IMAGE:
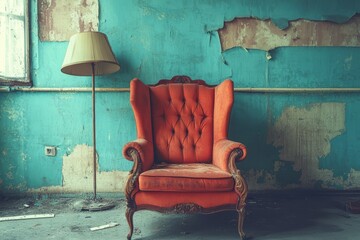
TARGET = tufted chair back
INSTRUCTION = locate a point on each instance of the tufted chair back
(182, 118)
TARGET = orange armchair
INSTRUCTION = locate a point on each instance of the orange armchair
(183, 161)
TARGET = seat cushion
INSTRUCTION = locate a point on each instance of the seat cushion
(193, 177)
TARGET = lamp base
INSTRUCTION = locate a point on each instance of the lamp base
(93, 205)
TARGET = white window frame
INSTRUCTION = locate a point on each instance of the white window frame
(21, 77)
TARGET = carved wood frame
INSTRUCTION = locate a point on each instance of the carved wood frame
(132, 187)
(183, 79)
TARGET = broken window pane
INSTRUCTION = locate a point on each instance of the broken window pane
(14, 42)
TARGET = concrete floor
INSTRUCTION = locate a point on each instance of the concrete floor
(283, 217)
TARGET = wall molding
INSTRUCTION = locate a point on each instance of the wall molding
(238, 90)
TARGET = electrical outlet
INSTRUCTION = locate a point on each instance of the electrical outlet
(50, 151)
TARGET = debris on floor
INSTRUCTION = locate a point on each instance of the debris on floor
(93, 205)
(24, 217)
(267, 217)
(110, 225)
(137, 231)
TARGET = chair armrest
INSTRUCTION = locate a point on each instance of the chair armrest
(140, 150)
(141, 153)
(225, 155)
(226, 152)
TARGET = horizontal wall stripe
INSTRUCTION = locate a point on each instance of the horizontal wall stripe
(242, 90)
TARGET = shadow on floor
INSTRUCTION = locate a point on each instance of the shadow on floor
(265, 217)
(285, 218)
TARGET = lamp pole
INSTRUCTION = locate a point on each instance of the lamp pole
(94, 127)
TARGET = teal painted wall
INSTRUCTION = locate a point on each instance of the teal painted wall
(156, 39)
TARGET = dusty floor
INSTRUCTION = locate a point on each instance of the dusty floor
(289, 217)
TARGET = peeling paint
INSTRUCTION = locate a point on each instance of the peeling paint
(353, 180)
(59, 20)
(77, 174)
(252, 33)
(303, 136)
(180, 38)
(260, 179)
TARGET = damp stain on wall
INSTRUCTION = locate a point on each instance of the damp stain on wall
(304, 135)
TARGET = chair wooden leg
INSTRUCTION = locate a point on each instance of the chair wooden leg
(241, 212)
(129, 217)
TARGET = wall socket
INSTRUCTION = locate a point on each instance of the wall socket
(50, 151)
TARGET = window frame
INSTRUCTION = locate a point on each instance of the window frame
(26, 81)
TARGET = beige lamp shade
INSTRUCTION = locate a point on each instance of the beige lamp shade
(89, 48)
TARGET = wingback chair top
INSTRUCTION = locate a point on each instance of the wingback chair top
(183, 161)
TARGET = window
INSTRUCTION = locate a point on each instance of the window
(14, 42)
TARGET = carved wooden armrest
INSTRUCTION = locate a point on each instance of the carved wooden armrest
(140, 152)
(144, 149)
(240, 183)
(226, 149)
(226, 154)
(131, 184)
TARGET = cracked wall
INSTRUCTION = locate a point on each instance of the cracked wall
(155, 40)
(252, 33)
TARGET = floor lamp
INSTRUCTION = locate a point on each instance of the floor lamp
(90, 54)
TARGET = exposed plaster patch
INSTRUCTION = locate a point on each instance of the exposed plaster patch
(353, 180)
(58, 19)
(303, 136)
(252, 33)
(267, 182)
(77, 174)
